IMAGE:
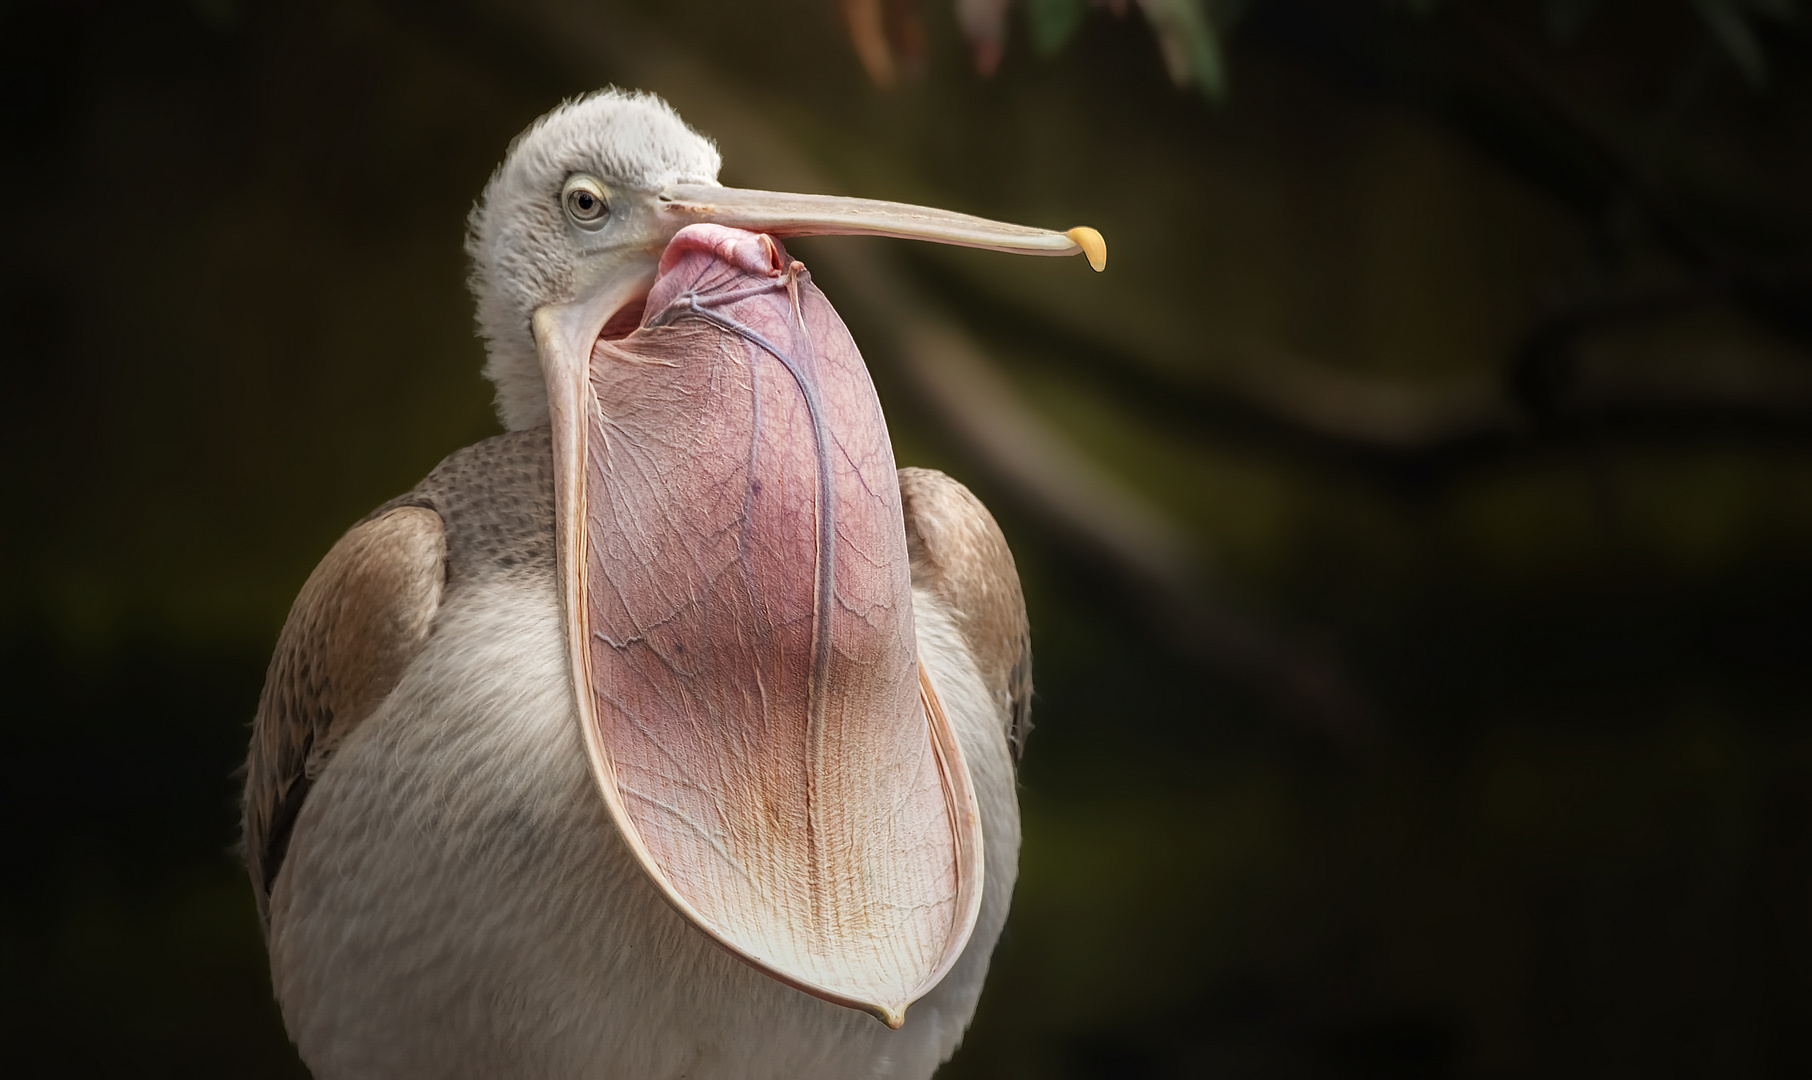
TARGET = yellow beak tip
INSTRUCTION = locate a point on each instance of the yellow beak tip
(1092, 245)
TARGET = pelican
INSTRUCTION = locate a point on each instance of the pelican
(673, 732)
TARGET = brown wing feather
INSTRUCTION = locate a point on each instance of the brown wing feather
(358, 621)
(959, 554)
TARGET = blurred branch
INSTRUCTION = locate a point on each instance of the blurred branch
(1449, 421)
(1616, 169)
(1396, 414)
(1782, 292)
(979, 406)
(1544, 372)
(1729, 24)
(1444, 423)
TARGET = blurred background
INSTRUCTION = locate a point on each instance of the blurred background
(1416, 517)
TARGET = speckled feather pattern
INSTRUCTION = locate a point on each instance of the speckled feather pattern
(958, 553)
(355, 627)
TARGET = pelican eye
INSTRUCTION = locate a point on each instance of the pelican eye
(585, 201)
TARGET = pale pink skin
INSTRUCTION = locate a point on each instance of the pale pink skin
(753, 669)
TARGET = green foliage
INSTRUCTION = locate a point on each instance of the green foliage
(1190, 43)
(1188, 33)
(1054, 23)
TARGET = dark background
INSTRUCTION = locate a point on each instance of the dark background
(1416, 517)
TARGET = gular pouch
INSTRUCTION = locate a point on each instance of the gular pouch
(740, 611)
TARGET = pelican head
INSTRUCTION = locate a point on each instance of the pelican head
(572, 204)
(590, 195)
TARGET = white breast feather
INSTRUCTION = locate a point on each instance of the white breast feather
(456, 869)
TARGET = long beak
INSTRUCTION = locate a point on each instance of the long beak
(624, 275)
(783, 214)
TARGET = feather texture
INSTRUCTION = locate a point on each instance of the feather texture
(638, 140)
(357, 623)
(959, 554)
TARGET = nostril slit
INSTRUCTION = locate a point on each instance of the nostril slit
(775, 269)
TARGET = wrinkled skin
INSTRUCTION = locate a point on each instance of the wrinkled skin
(756, 686)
